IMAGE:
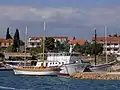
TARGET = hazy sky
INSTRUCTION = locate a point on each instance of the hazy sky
(64, 17)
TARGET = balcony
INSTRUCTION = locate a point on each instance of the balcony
(116, 46)
(34, 41)
(108, 46)
(112, 46)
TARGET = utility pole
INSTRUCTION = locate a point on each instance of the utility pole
(95, 47)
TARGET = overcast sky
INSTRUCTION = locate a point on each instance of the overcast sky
(64, 17)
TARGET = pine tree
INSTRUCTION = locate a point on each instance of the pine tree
(8, 36)
(16, 42)
(74, 38)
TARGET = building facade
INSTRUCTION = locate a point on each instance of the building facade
(5, 43)
(111, 44)
(36, 41)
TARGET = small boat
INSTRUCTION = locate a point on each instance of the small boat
(32, 70)
(41, 70)
(101, 67)
(4, 67)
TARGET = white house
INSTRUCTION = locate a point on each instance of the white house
(36, 41)
(112, 46)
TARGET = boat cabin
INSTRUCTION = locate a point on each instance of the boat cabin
(64, 57)
(48, 64)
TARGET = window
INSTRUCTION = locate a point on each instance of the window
(5, 44)
(32, 44)
(38, 44)
(115, 49)
(115, 44)
(108, 49)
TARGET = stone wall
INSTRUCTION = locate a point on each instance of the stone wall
(97, 76)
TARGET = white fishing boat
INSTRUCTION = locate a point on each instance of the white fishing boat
(42, 69)
(70, 62)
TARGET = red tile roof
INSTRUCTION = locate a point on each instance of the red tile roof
(109, 39)
(35, 38)
(81, 42)
(2, 40)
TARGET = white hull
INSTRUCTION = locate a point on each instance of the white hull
(73, 68)
(6, 68)
(41, 73)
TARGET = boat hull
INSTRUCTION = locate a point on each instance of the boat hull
(6, 68)
(99, 68)
(73, 68)
(40, 73)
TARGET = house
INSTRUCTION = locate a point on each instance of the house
(36, 41)
(5, 43)
(112, 46)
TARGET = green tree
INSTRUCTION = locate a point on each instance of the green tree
(98, 49)
(66, 46)
(35, 51)
(22, 43)
(77, 48)
(2, 56)
(9, 49)
(16, 41)
(61, 47)
(88, 48)
(49, 44)
(8, 36)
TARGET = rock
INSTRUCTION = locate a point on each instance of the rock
(96, 75)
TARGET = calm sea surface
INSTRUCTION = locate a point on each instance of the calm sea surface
(8, 81)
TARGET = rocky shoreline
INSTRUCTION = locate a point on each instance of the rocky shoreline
(97, 75)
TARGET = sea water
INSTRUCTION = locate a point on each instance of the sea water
(9, 81)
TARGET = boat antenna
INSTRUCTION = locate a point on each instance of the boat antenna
(95, 46)
(106, 43)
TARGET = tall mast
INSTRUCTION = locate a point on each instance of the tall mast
(44, 42)
(106, 44)
(25, 44)
(95, 46)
